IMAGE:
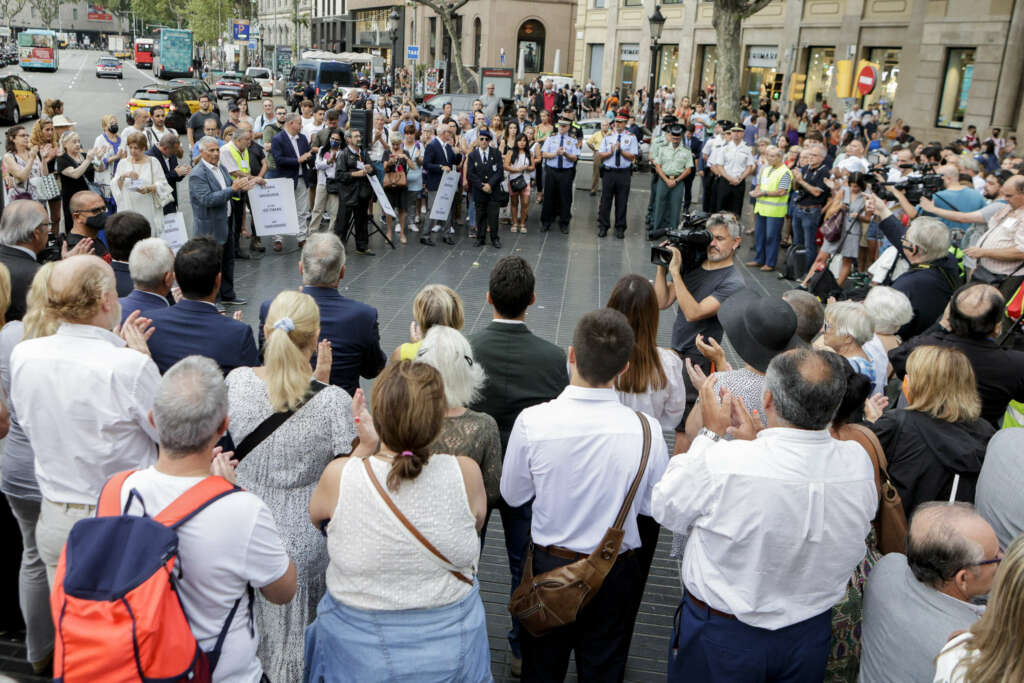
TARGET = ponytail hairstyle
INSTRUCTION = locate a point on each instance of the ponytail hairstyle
(38, 319)
(408, 406)
(291, 331)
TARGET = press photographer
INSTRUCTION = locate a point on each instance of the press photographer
(702, 277)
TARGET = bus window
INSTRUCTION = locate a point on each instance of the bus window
(332, 75)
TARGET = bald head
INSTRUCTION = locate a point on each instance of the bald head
(945, 544)
(976, 311)
(82, 289)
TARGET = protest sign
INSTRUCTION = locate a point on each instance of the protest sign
(273, 208)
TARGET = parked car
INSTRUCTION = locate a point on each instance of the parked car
(199, 84)
(180, 101)
(233, 84)
(591, 126)
(432, 108)
(262, 76)
(18, 99)
(109, 67)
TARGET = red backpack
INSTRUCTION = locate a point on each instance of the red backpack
(115, 604)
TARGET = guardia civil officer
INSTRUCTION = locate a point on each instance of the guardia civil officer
(616, 157)
(559, 153)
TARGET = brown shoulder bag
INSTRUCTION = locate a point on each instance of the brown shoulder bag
(552, 599)
(891, 520)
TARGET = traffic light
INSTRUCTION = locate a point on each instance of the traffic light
(796, 86)
(844, 78)
(776, 92)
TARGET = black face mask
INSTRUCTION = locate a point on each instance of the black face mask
(113, 128)
(97, 222)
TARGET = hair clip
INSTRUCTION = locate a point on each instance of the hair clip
(285, 324)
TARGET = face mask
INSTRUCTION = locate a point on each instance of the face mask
(97, 222)
(335, 143)
(113, 128)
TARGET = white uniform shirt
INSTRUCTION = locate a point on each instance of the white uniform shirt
(776, 525)
(627, 142)
(551, 145)
(733, 158)
(578, 454)
(82, 398)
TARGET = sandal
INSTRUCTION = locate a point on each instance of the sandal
(401, 238)
(522, 228)
(514, 228)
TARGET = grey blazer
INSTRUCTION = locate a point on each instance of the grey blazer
(209, 202)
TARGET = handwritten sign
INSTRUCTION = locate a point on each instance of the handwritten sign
(273, 208)
(174, 231)
(446, 191)
(378, 190)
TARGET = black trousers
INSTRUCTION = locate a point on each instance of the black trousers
(486, 217)
(354, 213)
(687, 193)
(599, 636)
(730, 197)
(708, 183)
(557, 196)
(227, 266)
(615, 187)
(237, 220)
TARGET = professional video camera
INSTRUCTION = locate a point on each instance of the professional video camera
(927, 183)
(691, 238)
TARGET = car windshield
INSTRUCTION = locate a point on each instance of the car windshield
(110, 62)
(332, 75)
(257, 73)
(151, 95)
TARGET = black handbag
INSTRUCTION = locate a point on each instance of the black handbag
(269, 425)
(517, 184)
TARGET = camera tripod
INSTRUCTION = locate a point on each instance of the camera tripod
(372, 228)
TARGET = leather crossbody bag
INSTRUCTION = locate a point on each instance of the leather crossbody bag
(544, 602)
(891, 520)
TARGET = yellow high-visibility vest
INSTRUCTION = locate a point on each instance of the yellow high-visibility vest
(772, 207)
(242, 159)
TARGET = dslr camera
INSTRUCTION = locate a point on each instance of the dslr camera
(913, 187)
(691, 237)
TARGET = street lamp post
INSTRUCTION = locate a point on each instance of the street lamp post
(657, 22)
(393, 23)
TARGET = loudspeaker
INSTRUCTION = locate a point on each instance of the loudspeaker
(362, 120)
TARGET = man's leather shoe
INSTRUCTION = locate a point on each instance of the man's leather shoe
(449, 240)
(564, 229)
(366, 252)
(620, 235)
(602, 233)
(237, 301)
(496, 242)
(545, 228)
(480, 241)
(242, 255)
(427, 241)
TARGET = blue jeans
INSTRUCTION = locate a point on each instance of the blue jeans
(767, 232)
(805, 231)
(516, 523)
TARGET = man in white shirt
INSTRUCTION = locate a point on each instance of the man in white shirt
(264, 118)
(229, 545)
(82, 397)
(158, 129)
(775, 527)
(731, 163)
(851, 162)
(576, 457)
(139, 120)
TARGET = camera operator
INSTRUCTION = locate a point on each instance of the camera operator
(955, 196)
(699, 294)
(992, 192)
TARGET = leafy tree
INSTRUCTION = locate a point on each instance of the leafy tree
(726, 18)
(446, 10)
(48, 10)
(9, 8)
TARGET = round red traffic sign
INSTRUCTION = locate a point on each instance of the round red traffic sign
(866, 79)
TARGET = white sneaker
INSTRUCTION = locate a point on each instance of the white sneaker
(436, 228)
(412, 227)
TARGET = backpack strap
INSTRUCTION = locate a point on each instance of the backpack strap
(109, 503)
(189, 504)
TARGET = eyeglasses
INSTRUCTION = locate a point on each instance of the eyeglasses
(996, 560)
(91, 212)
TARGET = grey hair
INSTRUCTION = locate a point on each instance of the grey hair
(931, 235)
(67, 137)
(190, 405)
(140, 113)
(20, 219)
(850, 319)
(969, 164)
(936, 553)
(208, 140)
(449, 352)
(890, 309)
(806, 402)
(727, 219)
(150, 260)
(168, 139)
(292, 117)
(810, 315)
(323, 257)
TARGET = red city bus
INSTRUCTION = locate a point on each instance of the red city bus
(143, 53)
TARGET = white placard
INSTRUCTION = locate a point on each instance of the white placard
(445, 196)
(273, 208)
(378, 190)
(174, 231)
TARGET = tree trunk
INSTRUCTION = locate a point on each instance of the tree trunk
(727, 79)
(461, 73)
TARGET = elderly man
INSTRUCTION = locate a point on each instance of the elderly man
(140, 118)
(772, 195)
(152, 269)
(775, 526)
(167, 151)
(493, 105)
(1000, 252)
(616, 155)
(88, 216)
(594, 143)
(672, 163)
(58, 381)
(350, 326)
(913, 603)
(809, 198)
(236, 159)
(265, 117)
(292, 155)
(24, 231)
(211, 190)
(731, 163)
(956, 196)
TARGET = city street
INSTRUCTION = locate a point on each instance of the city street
(575, 274)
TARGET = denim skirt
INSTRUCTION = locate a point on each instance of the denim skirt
(439, 644)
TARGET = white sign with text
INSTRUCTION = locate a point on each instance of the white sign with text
(174, 231)
(273, 208)
(445, 196)
(385, 204)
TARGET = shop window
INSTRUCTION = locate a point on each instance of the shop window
(888, 61)
(668, 65)
(821, 67)
(598, 4)
(596, 62)
(531, 46)
(956, 86)
(708, 68)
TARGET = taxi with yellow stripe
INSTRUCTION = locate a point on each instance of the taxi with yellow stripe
(180, 102)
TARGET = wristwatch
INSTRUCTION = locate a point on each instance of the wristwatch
(704, 431)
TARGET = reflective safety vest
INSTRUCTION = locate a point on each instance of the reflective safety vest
(772, 207)
(242, 159)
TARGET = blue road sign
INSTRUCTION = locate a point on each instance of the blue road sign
(412, 52)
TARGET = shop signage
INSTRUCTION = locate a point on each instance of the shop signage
(762, 56)
(866, 79)
(629, 53)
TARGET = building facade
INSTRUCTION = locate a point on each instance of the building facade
(284, 23)
(943, 64)
(83, 22)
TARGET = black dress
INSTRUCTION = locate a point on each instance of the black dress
(69, 186)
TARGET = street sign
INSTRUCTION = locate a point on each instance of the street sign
(866, 79)
(412, 52)
(252, 43)
(240, 29)
(501, 56)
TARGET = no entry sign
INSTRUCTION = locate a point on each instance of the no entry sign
(866, 79)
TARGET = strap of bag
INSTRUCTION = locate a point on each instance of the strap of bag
(626, 504)
(269, 425)
(109, 503)
(875, 452)
(408, 525)
(195, 500)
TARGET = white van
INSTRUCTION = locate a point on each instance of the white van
(263, 77)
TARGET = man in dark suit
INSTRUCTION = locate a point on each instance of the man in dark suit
(354, 193)
(124, 230)
(439, 157)
(24, 231)
(152, 270)
(194, 326)
(292, 155)
(484, 172)
(522, 370)
(166, 152)
(349, 325)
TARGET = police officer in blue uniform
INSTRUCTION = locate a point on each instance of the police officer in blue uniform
(559, 152)
(618, 149)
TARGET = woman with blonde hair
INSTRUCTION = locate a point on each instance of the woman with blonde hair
(18, 481)
(76, 171)
(990, 651)
(936, 444)
(395, 610)
(434, 305)
(140, 185)
(283, 460)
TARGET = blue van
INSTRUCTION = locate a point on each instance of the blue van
(324, 74)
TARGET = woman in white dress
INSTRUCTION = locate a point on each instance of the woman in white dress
(139, 184)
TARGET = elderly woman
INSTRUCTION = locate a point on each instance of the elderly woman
(76, 171)
(890, 309)
(109, 151)
(139, 184)
(434, 305)
(848, 327)
(464, 431)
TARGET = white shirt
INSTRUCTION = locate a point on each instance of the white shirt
(261, 122)
(310, 129)
(733, 158)
(665, 405)
(153, 135)
(852, 164)
(295, 144)
(128, 131)
(229, 544)
(578, 454)
(776, 525)
(215, 170)
(947, 664)
(82, 398)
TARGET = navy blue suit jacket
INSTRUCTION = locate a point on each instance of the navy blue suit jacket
(352, 329)
(287, 164)
(196, 328)
(123, 277)
(478, 173)
(434, 159)
(144, 302)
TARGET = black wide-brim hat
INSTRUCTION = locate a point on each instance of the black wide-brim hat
(759, 327)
